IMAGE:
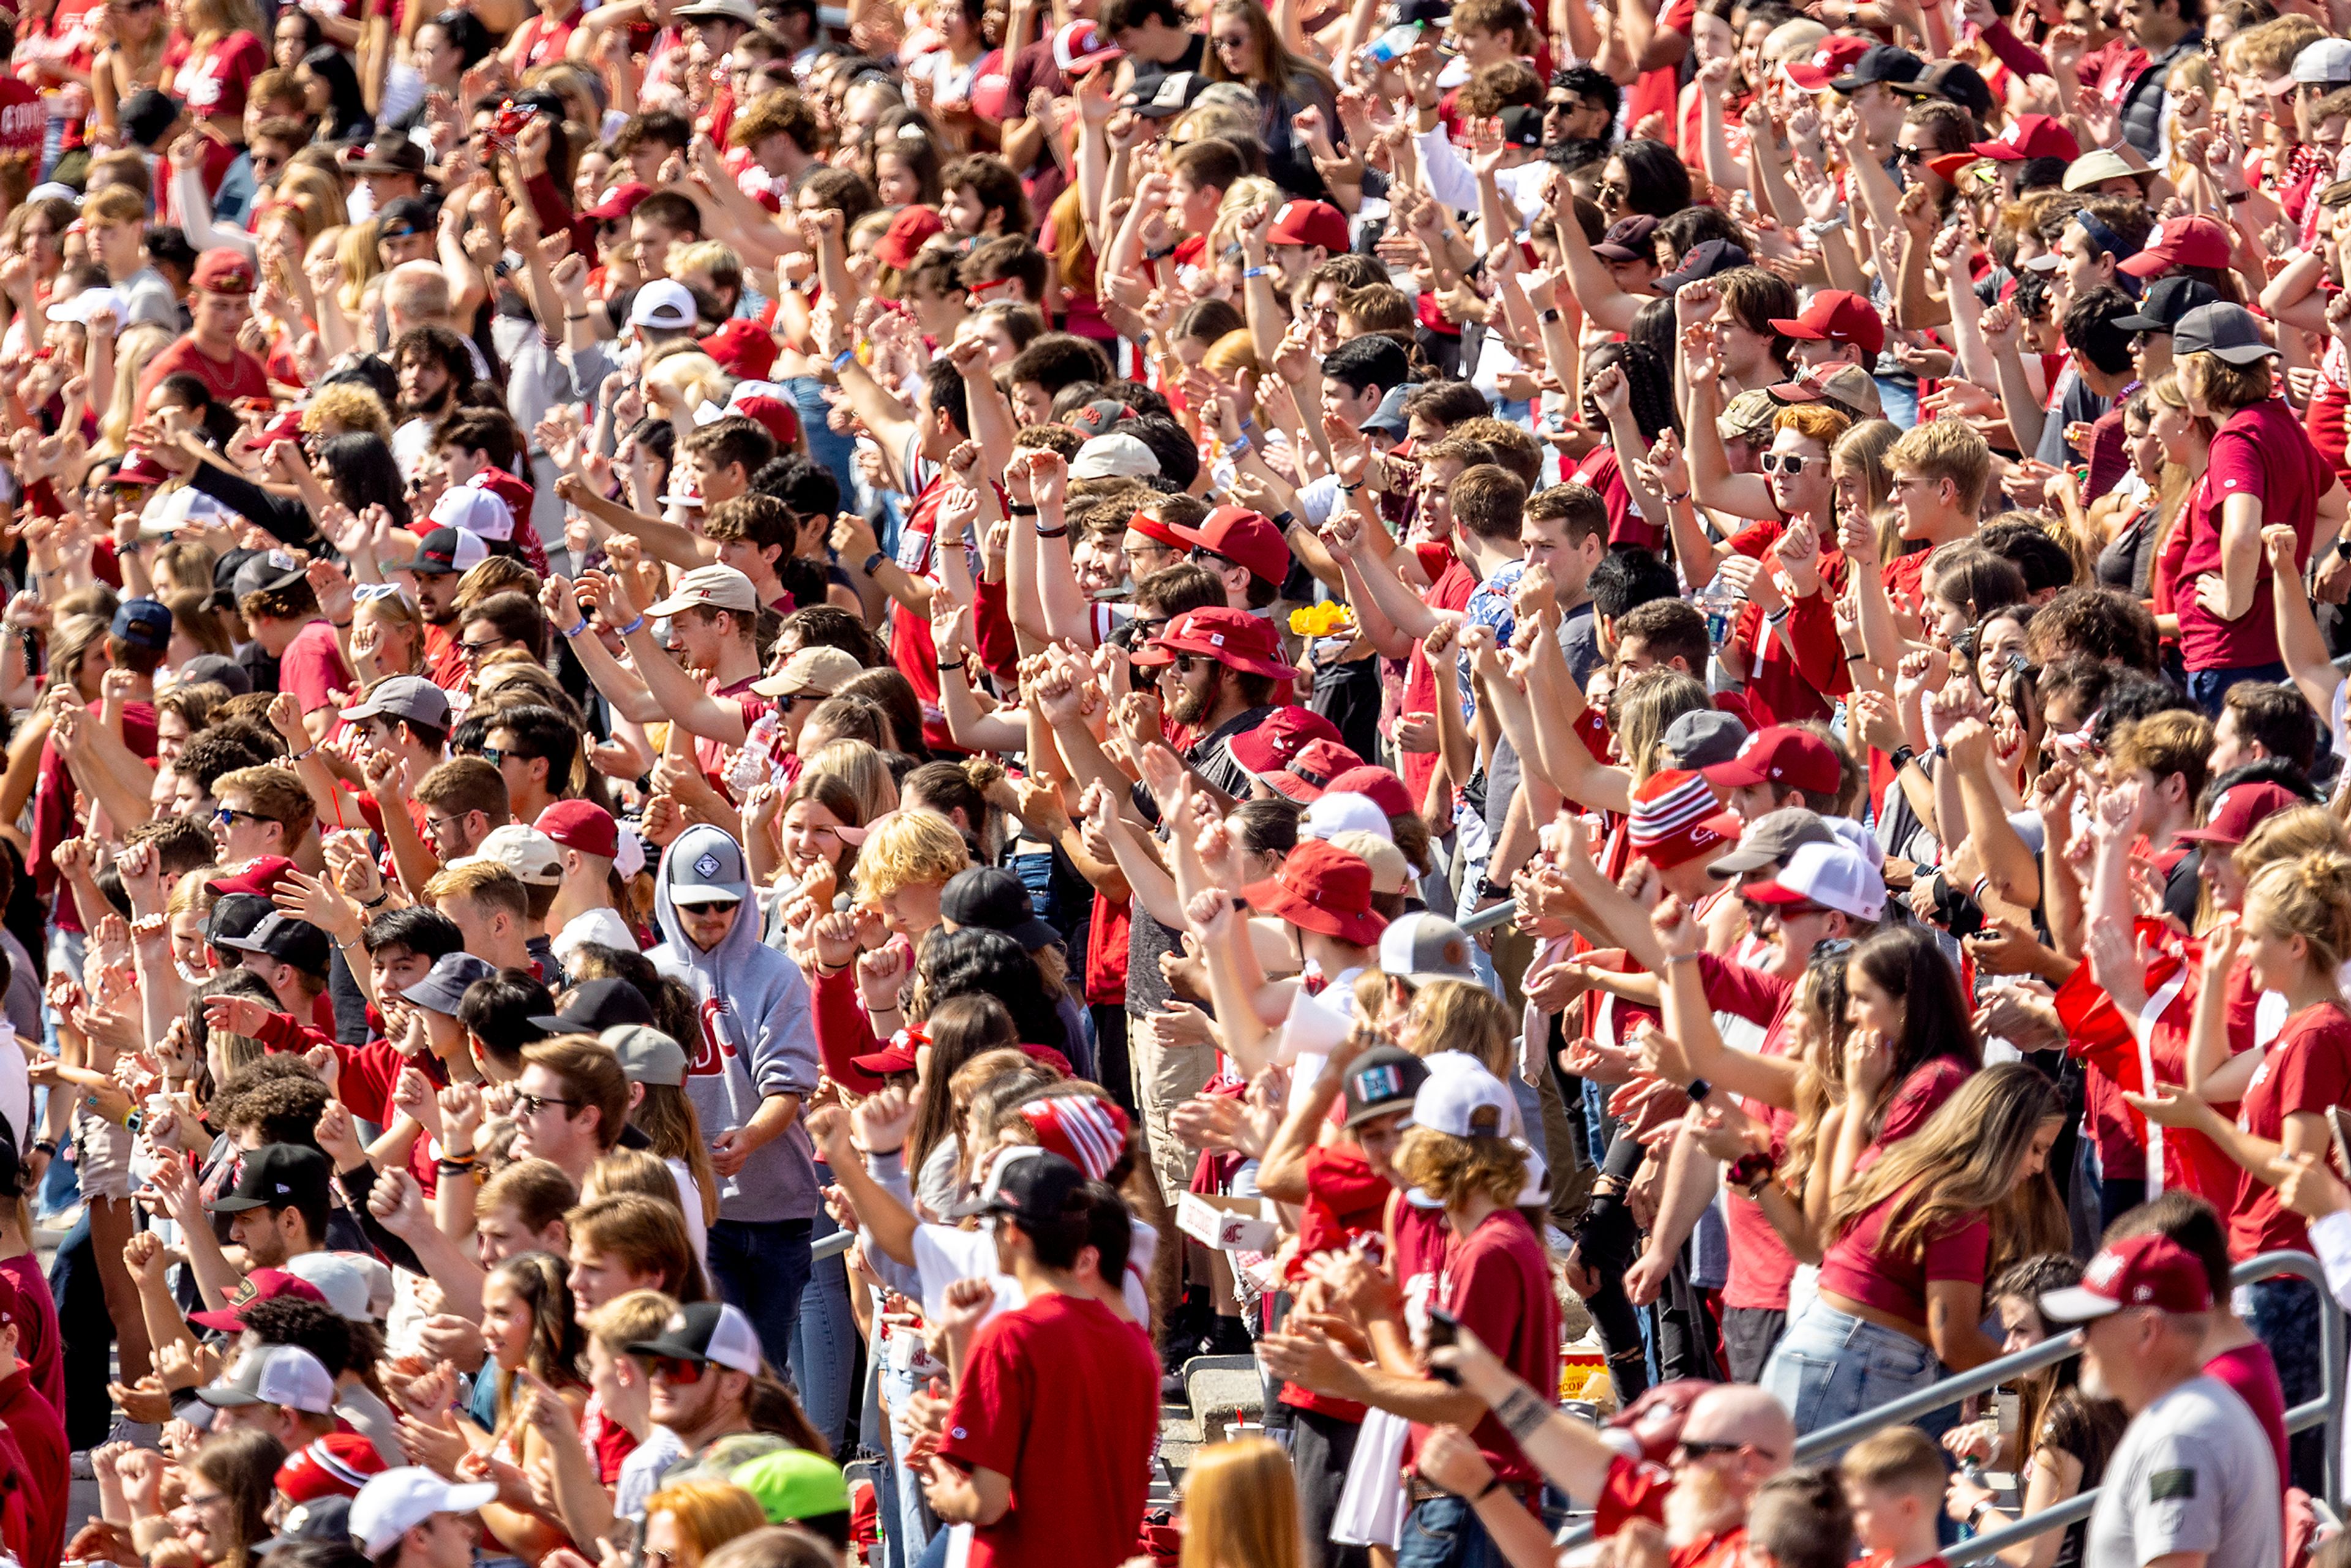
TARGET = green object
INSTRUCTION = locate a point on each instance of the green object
(793, 1484)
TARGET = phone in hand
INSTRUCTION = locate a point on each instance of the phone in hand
(1444, 1329)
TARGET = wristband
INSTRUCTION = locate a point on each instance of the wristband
(2343, 549)
(1677, 500)
(1159, 254)
(1672, 959)
(377, 902)
(1060, 533)
(958, 665)
(1285, 520)
(304, 752)
(634, 627)
(840, 360)
(45, 1146)
(1237, 445)
(575, 631)
(1249, 272)
(1015, 509)
(1488, 1489)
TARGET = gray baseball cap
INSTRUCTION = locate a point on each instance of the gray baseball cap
(2229, 332)
(647, 1055)
(1704, 737)
(1422, 946)
(409, 698)
(713, 873)
(1769, 840)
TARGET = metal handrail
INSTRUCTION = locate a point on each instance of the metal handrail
(2327, 1410)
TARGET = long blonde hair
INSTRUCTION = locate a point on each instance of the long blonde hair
(1647, 707)
(1963, 1163)
(1240, 1506)
(132, 349)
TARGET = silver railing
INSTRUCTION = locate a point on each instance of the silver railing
(2326, 1411)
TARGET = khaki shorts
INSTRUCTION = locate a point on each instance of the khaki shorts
(103, 1162)
(1164, 1078)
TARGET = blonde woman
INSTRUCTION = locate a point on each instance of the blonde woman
(345, 408)
(679, 383)
(1240, 1498)
(862, 768)
(132, 349)
(387, 633)
(908, 858)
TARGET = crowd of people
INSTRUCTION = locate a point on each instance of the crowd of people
(756, 755)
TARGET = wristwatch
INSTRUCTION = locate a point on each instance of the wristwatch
(1902, 757)
(1489, 889)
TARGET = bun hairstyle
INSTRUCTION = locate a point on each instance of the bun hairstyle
(2310, 897)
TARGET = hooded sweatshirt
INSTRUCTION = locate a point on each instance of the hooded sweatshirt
(758, 1038)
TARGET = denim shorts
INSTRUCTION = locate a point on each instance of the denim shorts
(1830, 1366)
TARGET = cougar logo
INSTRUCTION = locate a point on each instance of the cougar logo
(716, 1044)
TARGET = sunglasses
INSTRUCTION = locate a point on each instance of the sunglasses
(532, 1104)
(1186, 662)
(227, 815)
(494, 755)
(363, 591)
(1910, 157)
(674, 1369)
(1704, 1450)
(475, 650)
(1611, 191)
(1789, 463)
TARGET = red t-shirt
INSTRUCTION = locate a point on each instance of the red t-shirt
(1858, 1269)
(2261, 451)
(1601, 472)
(2253, 1374)
(1344, 1201)
(2308, 1069)
(39, 1344)
(1902, 574)
(1921, 1095)
(40, 1435)
(240, 375)
(1451, 584)
(312, 667)
(1062, 1397)
(1497, 1281)
(543, 39)
(1760, 1264)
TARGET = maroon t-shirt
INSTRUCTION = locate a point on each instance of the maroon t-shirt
(1861, 1267)
(2250, 1370)
(2263, 452)
(1496, 1282)
(2308, 1069)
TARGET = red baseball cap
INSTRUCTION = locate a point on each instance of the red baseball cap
(1781, 754)
(618, 202)
(1245, 538)
(139, 468)
(2146, 1270)
(336, 1465)
(898, 1056)
(2240, 808)
(581, 825)
(779, 419)
(261, 1285)
(1322, 887)
(1079, 47)
(1285, 733)
(743, 349)
(2030, 136)
(909, 231)
(1834, 314)
(1234, 638)
(2196, 241)
(1378, 785)
(1309, 223)
(1832, 58)
(222, 271)
(1310, 773)
(260, 876)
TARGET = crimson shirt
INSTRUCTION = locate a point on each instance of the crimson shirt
(1858, 1268)
(240, 376)
(2308, 1069)
(2261, 451)
(1496, 1282)
(40, 1434)
(39, 1344)
(1062, 1396)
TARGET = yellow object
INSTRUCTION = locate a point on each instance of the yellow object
(1324, 619)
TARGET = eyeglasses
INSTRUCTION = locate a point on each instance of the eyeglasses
(674, 1369)
(1789, 463)
(532, 1104)
(227, 815)
(440, 825)
(206, 1500)
(475, 650)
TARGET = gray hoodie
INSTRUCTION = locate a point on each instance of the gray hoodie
(758, 1038)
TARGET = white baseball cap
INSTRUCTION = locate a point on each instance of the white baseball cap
(530, 855)
(663, 305)
(397, 1502)
(1463, 1099)
(1344, 811)
(1117, 455)
(1834, 876)
(337, 1277)
(470, 510)
(281, 1374)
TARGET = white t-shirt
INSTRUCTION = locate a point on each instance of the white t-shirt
(944, 1254)
(689, 1204)
(640, 1472)
(2194, 1472)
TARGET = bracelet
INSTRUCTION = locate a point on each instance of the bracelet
(304, 752)
(1016, 509)
(1677, 500)
(1522, 1414)
(1249, 272)
(1780, 617)
(1861, 658)
(1547, 316)
(1060, 533)
(45, 1146)
(1673, 958)
(840, 360)
(1285, 520)
(1347, 489)
(377, 902)
(581, 317)
(634, 627)
(1492, 1486)
(575, 631)
(823, 973)
(1237, 446)
(947, 544)
(943, 666)
(1159, 254)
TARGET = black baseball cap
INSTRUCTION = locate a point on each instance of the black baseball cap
(2167, 299)
(1040, 1189)
(1956, 81)
(289, 941)
(597, 1006)
(1880, 62)
(995, 900)
(441, 554)
(1704, 259)
(235, 915)
(1382, 1080)
(144, 623)
(277, 1175)
(1522, 125)
(216, 669)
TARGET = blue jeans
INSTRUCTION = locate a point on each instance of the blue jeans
(2283, 1315)
(1443, 1532)
(912, 1526)
(2207, 687)
(828, 448)
(824, 1341)
(762, 1266)
(1831, 1365)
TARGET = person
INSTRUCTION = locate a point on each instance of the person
(1894, 1487)
(1057, 1386)
(1241, 1506)
(752, 1065)
(411, 1518)
(2193, 1476)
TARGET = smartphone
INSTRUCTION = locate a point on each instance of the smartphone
(1444, 1329)
(2338, 1122)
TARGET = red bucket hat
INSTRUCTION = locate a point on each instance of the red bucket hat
(1376, 784)
(1322, 887)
